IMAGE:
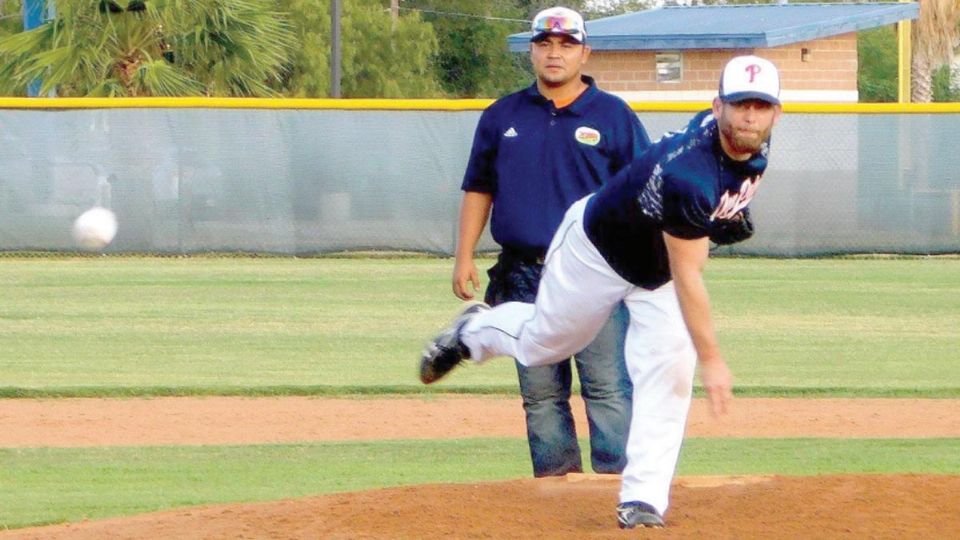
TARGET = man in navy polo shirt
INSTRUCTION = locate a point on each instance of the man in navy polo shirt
(643, 238)
(534, 153)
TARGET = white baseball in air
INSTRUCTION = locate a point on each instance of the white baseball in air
(95, 228)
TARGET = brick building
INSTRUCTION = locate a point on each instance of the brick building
(676, 53)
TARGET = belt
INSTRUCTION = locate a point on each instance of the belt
(525, 255)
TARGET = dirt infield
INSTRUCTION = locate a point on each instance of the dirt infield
(579, 506)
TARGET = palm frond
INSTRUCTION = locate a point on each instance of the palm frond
(172, 46)
(160, 78)
(24, 43)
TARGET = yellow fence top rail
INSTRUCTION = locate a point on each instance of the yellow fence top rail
(243, 103)
(428, 105)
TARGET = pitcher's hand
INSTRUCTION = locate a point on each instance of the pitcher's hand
(717, 383)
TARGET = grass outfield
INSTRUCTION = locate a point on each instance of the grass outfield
(74, 326)
(124, 326)
(53, 485)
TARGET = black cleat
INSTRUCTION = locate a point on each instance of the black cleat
(444, 352)
(638, 514)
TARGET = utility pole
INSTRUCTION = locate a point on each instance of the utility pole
(335, 50)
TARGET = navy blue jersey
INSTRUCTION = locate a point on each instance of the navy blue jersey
(684, 185)
(537, 160)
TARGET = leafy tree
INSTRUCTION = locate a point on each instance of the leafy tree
(383, 60)
(954, 79)
(608, 8)
(307, 73)
(380, 58)
(533, 6)
(150, 48)
(877, 71)
(472, 59)
(942, 89)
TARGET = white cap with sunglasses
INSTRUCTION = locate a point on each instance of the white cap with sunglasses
(559, 21)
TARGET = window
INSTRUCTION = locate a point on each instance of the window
(669, 67)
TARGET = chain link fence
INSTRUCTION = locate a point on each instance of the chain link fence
(293, 181)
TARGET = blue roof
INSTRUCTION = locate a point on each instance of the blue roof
(733, 27)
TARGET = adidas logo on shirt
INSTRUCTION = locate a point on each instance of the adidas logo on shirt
(510, 133)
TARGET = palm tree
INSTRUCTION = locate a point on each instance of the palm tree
(933, 36)
(150, 48)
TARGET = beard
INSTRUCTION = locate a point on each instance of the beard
(744, 143)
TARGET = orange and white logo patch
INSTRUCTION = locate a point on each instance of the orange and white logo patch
(587, 136)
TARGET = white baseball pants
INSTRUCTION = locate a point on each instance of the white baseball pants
(577, 293)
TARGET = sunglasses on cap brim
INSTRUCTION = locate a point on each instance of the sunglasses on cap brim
(557, 24)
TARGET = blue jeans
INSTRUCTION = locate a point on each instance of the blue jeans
(604, 385)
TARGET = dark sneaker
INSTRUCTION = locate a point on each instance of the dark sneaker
(638, 514)
(445, 351)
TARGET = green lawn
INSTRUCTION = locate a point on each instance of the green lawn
(51, 485)
(115, 326)
(130, 325)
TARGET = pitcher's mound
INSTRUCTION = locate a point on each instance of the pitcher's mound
(834, 506)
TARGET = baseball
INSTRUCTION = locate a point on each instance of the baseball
(95, 228)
